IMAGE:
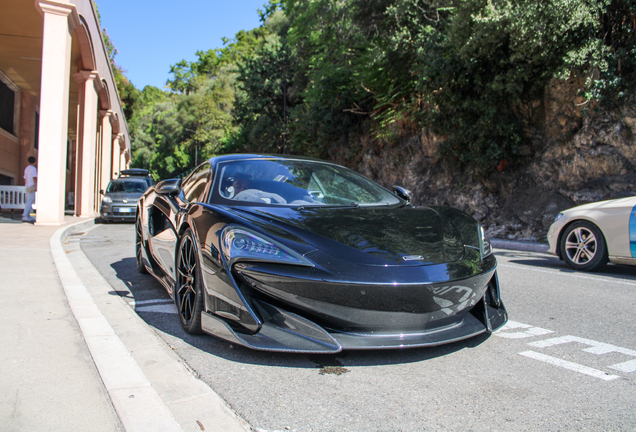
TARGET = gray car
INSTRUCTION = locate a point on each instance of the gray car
(119, 202)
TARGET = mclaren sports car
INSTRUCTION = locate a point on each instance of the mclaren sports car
(295, 254)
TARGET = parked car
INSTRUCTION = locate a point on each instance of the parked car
(588, 236)
(119, 201)
(299, 255)
(137, 173)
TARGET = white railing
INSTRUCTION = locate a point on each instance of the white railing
(14, 197)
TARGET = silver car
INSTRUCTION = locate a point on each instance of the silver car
(589, 236)
(119, 202)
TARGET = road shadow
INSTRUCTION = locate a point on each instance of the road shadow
(141, 287)
(532, 259)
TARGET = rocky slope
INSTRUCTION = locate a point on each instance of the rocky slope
(573, 158)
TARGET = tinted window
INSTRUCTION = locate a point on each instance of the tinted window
(194, 186)
(297, 182)
(126, 186)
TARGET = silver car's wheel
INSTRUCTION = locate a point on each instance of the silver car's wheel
(583, 246)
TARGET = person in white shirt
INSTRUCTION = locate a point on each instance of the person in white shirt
(30, 181)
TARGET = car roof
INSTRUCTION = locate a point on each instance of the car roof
(215, 160)
(136, 172)
(251, 156)
(129, 179)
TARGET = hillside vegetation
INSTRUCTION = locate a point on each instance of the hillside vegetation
(445, 95)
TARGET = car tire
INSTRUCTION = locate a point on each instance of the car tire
(188, 292)
(141, 268)
(583, 246)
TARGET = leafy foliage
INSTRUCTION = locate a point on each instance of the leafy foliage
(618, 34)
(319, 74)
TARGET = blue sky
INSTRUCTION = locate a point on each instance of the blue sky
(153, 35)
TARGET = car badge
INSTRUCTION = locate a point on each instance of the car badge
(125, 201)
(412, 257)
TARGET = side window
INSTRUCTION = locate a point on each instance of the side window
(335, 185)
(195, 185)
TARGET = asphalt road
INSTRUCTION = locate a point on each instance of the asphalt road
(566, 362)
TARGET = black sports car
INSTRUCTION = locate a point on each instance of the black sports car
(300, 255)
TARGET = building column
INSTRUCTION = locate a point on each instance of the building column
(59, 20)
(107, 150)
(86, 138)
(122, 161)
(116, 152)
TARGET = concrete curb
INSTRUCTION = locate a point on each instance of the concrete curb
(149, 385)
(119, 371)
(519, 245)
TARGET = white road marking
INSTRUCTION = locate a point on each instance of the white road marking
(594, 347)
(569, 274)
(628, 366)
(569, 365)
(141, 302)
(513, 325)
(167, 309)
(530, 332)
(598, 348)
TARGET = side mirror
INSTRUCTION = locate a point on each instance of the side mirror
(403, 193)
(101, 191)
(170, 187)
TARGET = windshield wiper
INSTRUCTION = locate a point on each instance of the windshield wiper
(327, 206)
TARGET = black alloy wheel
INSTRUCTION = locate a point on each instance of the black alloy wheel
(583, 246)
(188, 294)
(141, 268)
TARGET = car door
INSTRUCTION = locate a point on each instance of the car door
(165, 215)
(617, 220)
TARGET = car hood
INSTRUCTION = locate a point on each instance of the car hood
(608, 204)
(374, 236)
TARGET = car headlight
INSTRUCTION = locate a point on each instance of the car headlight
(245, 245)
(559, 216)
(484, 244)
(107, 199)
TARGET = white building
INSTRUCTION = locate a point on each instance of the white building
(59, 103)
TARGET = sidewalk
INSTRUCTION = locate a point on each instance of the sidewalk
(520, 245)
(48, 381)
(76, 357)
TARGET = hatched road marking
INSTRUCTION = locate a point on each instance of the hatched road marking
(594, 347)
(569, 365)
(598, 348)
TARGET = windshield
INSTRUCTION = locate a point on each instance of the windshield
(297, 183)
(130, 186)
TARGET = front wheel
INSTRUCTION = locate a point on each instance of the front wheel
(583, 246)
(188, 285)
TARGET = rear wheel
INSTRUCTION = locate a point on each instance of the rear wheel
(583, 246)
(188, 293)
(141, 268)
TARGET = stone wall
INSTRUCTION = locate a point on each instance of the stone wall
(573, 157)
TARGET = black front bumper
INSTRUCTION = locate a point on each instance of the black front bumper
(321, 317)
(284, 331)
